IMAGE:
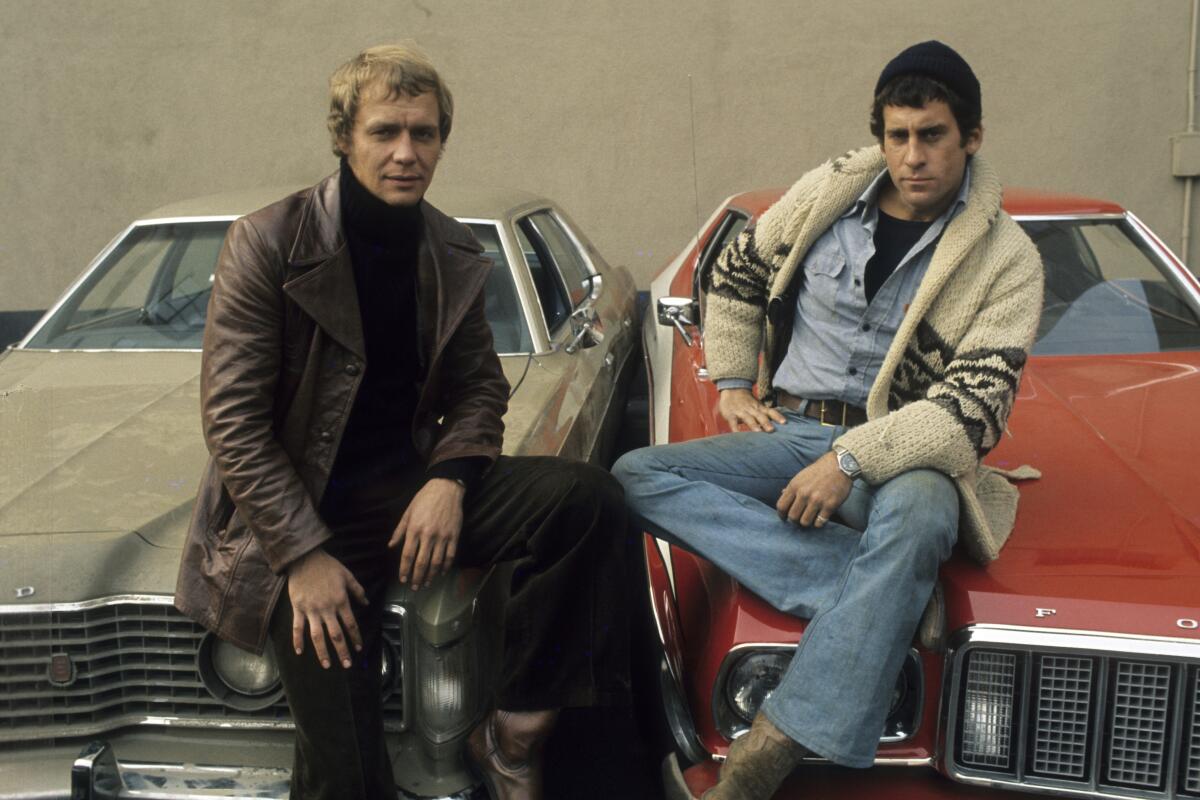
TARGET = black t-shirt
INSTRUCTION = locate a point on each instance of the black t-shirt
(893, 239)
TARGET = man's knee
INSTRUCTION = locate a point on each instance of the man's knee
(581, 484)
(927, 502)
(630, 467)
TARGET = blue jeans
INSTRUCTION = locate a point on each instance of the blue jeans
(863, 579)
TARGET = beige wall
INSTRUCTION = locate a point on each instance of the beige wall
(108, 109)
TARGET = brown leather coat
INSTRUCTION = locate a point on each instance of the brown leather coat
(283, 358)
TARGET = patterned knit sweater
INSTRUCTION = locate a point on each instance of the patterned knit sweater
(948, 381)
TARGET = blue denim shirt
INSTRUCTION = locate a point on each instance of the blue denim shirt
(838, 339)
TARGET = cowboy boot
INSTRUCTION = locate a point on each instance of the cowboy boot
(506, 749)
(757, 763)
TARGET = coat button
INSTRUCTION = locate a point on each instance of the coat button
(326, 436)
(352, 369)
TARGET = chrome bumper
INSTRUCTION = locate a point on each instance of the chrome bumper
(97, 775)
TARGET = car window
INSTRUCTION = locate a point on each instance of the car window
(509, 329)
(150, 292)
(1107, 291)
(733, 223)
(577, 277)
(556, 303)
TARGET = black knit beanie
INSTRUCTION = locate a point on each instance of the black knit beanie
(937, 61)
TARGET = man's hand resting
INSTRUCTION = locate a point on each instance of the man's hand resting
(429, 531)
(815, 494)
(320, 588)
(741, 407)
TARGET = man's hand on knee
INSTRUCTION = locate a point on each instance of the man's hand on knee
(320, 587)
(429, 531)
(741, 407)
(815, 493)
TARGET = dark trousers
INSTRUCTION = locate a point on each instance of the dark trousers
(565, 642)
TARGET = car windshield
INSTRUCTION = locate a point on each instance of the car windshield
(151, 292)
(1107, 291)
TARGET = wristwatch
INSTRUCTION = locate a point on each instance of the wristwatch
(847, 463)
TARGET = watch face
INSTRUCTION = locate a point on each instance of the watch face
(848, 463)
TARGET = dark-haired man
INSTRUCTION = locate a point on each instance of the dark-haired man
(896, 304)
(352, 405)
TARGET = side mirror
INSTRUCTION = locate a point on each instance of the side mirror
(678, 312)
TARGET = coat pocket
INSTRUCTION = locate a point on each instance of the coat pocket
(222, 518)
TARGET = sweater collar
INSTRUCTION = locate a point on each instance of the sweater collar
(365, 215)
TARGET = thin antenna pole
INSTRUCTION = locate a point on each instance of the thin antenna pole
(695, 179)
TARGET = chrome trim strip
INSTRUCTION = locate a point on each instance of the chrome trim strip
(185, 220)
(519, 271)
(1162, 646)
(83, 605)
(1104, 215)
(1063, 791)
(662, 637)
(1188, 281)
(113, 350)
(904, 762)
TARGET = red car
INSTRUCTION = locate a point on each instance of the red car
(1069, 666)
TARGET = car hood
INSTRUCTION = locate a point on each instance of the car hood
(1109, 536)
(99, 442)
(111, 441)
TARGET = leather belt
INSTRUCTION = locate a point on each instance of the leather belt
(827, 412)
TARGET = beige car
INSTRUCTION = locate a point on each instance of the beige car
(105, 689)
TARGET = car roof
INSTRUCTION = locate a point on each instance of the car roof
(482, 202)
(1018, 202)
(1021, 202)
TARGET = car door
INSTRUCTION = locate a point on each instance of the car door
(571, 292)
(693, 394)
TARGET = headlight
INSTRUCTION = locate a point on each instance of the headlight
(747, 678)
(752, 680)
(238, 678)
(987, 709)
(243, 671)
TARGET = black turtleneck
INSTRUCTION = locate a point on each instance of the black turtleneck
(384, 242)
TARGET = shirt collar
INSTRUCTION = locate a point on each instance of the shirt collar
(866, 207)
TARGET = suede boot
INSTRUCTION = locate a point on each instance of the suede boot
(506, 750)
(757, 763)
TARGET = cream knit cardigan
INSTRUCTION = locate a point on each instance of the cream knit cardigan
(949, 378)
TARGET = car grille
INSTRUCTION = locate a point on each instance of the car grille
(128, 661)
(1118, 724)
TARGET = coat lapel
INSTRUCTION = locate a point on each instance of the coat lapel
(451, 271)
(323, 284)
